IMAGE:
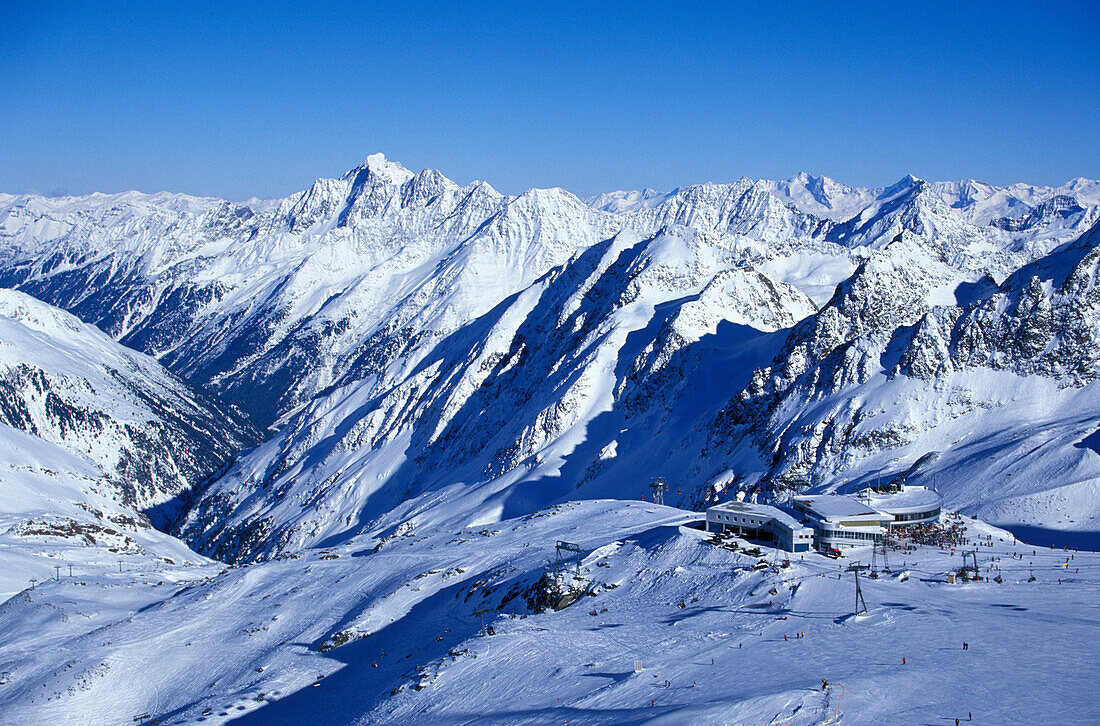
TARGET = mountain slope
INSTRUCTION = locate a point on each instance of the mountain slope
(998, 397)
(623, 361)
(388, 630)
(148, 437)
(58, 509)
(515, 410)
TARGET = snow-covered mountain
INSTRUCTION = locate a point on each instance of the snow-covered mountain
(145, 438)
(98, 444)
(997, 394)
(453, 380)
(439, 353)
(269, 304)
(267, 308)
(491, 416)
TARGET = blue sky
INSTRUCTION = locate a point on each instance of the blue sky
(258, 99)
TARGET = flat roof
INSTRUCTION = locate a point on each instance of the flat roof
(761, 510)
(833, 506)
(910, 498)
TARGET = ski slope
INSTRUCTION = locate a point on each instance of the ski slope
(384, 630)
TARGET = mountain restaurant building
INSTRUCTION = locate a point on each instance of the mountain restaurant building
(841, 521)
(760, 522)
(909, 505)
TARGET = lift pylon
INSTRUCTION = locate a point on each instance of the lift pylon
(861, 604)
(658, 486)
(567, 547)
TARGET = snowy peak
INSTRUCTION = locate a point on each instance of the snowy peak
(900, 207)
(1082, 188)
(33, 314)
(382, 170)
(424, 187)
(901, 186)
(822, 196)
(370, 190)
(744, 208)
(374, 187)
(625, 201)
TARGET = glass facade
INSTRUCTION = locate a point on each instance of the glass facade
(912, 517)
(850, 534)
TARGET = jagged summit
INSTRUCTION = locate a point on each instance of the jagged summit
(380, 168)
(905, 185)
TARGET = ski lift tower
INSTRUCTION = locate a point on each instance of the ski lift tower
(861, 604)
(480, 612)
(658, 486)
(973, 555)
(568, 547)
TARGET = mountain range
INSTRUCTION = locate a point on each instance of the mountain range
(390, 349)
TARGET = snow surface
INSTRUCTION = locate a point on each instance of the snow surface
(209, 644)
(58, 509)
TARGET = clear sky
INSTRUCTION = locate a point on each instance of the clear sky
(258, 99)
